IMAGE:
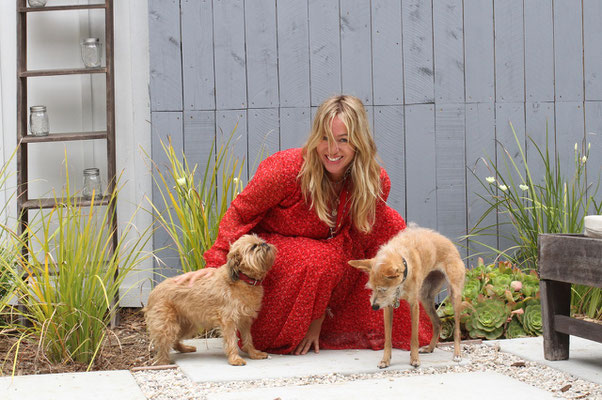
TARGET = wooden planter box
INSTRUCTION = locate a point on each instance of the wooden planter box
(563, 260)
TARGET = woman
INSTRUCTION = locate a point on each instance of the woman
(321, 206)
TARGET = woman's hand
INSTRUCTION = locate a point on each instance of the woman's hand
(192, 276)
(312, 337)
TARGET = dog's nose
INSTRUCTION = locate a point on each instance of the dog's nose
(375, 307)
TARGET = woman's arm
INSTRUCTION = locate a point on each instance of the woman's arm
(274, 180)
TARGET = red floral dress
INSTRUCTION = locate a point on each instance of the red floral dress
(310, 276)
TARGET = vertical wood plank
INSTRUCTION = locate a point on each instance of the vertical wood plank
(448, 41)
(389, 137)
(570, 129)
(197, 55)
(229, 121)
(507, 113)
(164, 125)
(264, 132)
(164, 55)
(325, 50)
(293, 53)
(356, 51)
(417, 22)
(421, 174)
(451, 168)
(478, 43)
(262, 58)
(568, 50)
(480, 146)
(592, 51)
(387, 58)
(295, 125)
(593, 129)
(509, 51)
(540, 116)
(539, 51)
(230, 57)
(199, 136)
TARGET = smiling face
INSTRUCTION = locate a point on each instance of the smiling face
(336, 156)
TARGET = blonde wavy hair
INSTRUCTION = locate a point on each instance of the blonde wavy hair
(364, 170)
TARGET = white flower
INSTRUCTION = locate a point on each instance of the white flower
(575, 146)
(503, 188)
(583, 159)
(490, 179)
(523, 187)
(181, 181)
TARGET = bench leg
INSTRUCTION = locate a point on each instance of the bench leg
(555, 300)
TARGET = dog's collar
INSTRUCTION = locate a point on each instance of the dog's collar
(398, 291)
(249, 280)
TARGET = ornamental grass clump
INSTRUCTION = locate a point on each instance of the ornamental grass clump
(191, 212)
(72, 275)
(496, 298)
(557, 205)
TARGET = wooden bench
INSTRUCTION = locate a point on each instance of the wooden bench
(563, 260)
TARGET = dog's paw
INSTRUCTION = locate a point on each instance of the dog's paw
(384, 364)
(415, 363)
(457, 358)
(237, 361)
(426, 349)
(182, 348)
(258, 355)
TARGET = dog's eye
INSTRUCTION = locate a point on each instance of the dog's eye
(253, 247)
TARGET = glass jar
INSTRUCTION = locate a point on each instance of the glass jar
(38, 121)
(91, 55)
(36, 3)
(92, 188)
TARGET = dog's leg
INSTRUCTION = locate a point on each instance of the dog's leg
(456, 296)
(231, 343)
(247, 340)
(386, 361)
(163, 331)
(414, 315)
(428, 291)
(187, 330)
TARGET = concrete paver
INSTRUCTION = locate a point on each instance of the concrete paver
(460, 386)
(209, 363)
(102, 385)
(585, 356)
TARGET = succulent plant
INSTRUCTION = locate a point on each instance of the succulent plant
(515, 330)
(487, 319)
(447, 328)
(531, 319)
(472, 288)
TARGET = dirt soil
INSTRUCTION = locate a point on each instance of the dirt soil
(126, 346)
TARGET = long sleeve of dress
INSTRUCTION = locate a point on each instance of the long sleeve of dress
(251, 205)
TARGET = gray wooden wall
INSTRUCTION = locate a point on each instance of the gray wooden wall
(441, 80)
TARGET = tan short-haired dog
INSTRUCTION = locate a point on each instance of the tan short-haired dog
(413, 266)
(229, 299)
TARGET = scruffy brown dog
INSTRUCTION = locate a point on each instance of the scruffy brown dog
(229, 299)
(412, 266)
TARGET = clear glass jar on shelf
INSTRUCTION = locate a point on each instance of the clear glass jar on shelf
(92, 187)
(36, 3)
(38, 121)
(91, 54)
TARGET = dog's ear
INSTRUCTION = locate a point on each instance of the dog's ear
(234, 260)
(362, 265)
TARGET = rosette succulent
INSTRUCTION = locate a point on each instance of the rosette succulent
(447, 328)
(515, 330)
(487, 319)
(472, 288)
(531, 319)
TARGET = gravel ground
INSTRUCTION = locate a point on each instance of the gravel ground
(173, 384)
